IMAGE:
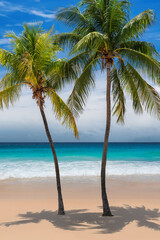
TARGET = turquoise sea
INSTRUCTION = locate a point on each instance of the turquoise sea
(28, 160)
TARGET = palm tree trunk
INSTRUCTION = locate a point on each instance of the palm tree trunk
(106, 208)
(60, 199)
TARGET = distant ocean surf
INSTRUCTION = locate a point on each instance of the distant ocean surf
(29, 160)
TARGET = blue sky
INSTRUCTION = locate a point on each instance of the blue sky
(23, 121)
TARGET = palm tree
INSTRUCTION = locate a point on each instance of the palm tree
(102, 29)
(32, 63)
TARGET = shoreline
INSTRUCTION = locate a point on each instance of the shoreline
(94, 178)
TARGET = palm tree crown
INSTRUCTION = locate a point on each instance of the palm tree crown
(103, 30)
(33, 63)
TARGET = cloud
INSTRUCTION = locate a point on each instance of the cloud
(4, 41)
(9, 7)
(14, 25)
(42, 14)
(34, 23)
(2, 3)
(91, 124)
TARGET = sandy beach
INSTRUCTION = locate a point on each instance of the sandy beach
(28, 209)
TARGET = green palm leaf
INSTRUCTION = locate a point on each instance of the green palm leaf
(118, 97)
(91, 42)
(141, 46)
(131, 88)
(148, 95)
(72, 16)
(67, 40)
(137, 26)
(9, 95)
(62, 111)
(142, 61)
(82, 87)
(64, 71)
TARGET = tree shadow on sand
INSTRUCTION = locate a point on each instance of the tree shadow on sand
(81, 219)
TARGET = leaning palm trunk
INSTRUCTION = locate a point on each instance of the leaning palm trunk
(60, 199)
(106, 208)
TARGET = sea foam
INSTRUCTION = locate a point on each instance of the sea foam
(32, 169)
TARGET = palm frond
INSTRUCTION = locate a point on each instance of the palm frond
(64, 71)
(62, 111)
(16, 43)
(118, 96)
(9, 95)
(44, 51)
(9, 80)
(148, 95)
(67, 40)
(141, 46)
(139, 60)
(82, 87)
(137, 26)
(6, 58)
(115, 16)
(130, 87)
(73, 17)
(91, 42)
(93, 12)
(26, 69)
(30, 37)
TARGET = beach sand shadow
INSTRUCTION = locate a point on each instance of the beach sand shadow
(81, 219)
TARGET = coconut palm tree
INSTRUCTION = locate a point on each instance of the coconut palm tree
(32, 63)
(103, 30)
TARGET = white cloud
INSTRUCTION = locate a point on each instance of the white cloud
(14, 25)
(91, 124)
(9, 7)
(42, 14)
(34, 23)
(4, 41)
(2, 3)
(150, 35)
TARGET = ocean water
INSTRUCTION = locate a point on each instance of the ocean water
(29, 160)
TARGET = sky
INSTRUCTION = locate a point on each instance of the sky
(23, 123)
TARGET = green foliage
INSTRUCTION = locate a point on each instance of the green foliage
(137, 26)
(149, 97)
(90, 42)
(32, 62)
(82, 88)
(103, 30)
(9, 95)
(143, 62)
(62, 111)
(118, 96)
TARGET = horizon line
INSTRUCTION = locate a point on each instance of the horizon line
(74, 142)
